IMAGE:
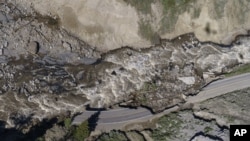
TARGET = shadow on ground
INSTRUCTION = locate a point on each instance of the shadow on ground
(13, 134)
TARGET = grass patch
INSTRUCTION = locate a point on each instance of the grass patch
(143, 6)
(113, 136)
(147, 88)
(176, 5)
(239, 70)
(145, 29)
(196, 12)
(169, 127)
(51, 22)
(207, 129)
(171, 10)
(67, 123)
(230, 119)
(219, 8)
(147, 32)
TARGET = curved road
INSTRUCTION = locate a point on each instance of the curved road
(125, 115)
(221, 87)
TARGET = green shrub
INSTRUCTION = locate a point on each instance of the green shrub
(169, 126)
(207, 129)
(81, 132)
(67, 123)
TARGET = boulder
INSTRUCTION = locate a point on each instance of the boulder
(33, 47)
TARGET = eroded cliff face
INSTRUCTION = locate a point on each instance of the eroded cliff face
(111, 24)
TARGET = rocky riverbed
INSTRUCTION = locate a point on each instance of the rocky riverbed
(46, 71)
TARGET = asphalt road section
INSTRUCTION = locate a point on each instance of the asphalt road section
(221, 87)
(125, 115)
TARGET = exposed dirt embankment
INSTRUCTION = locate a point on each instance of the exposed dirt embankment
(110, 24)
(103, 24)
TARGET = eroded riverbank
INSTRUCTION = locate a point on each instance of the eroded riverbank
(45, 71)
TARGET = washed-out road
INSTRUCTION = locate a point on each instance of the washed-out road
(125, 115)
